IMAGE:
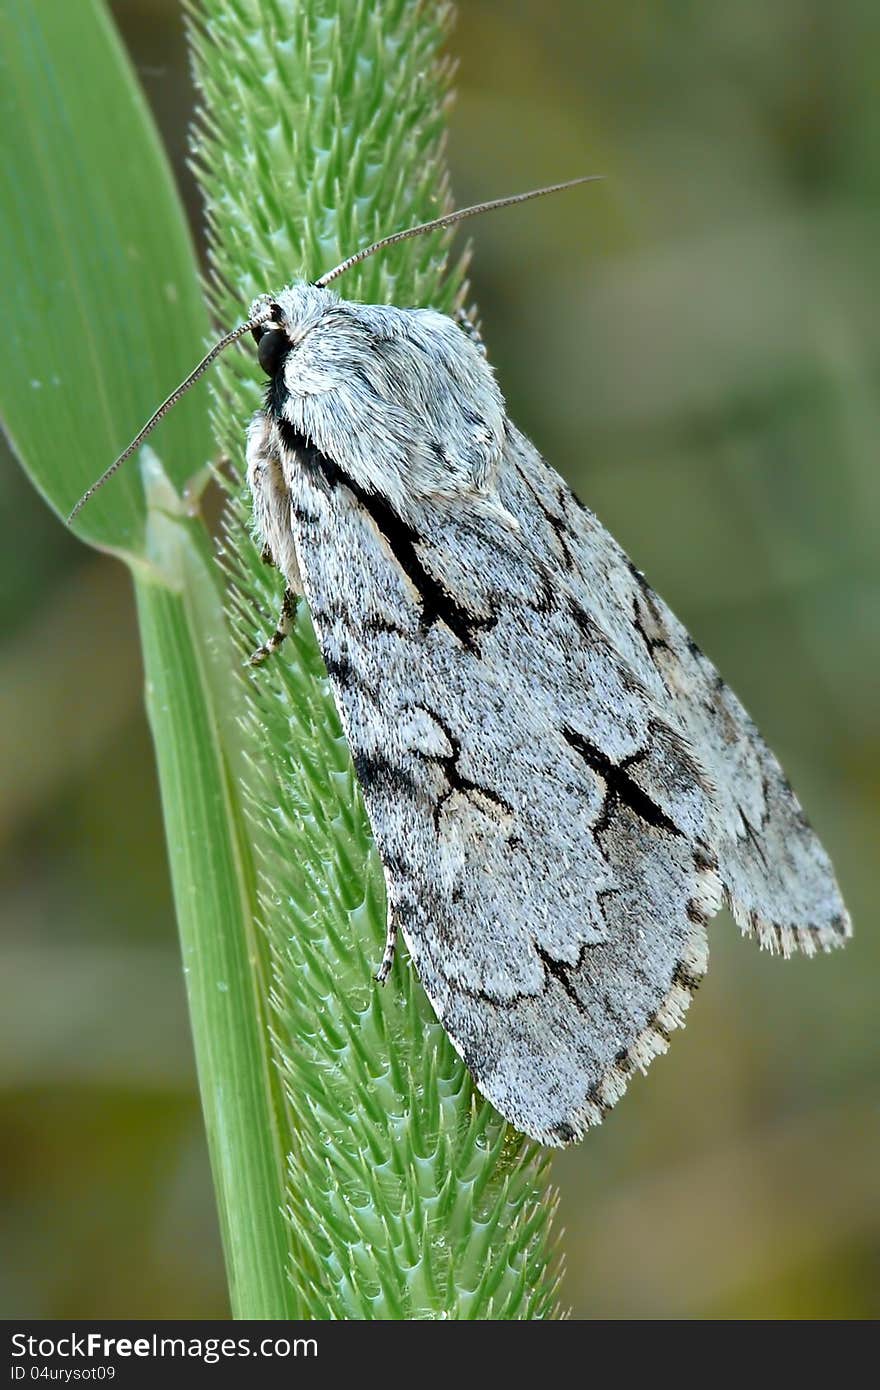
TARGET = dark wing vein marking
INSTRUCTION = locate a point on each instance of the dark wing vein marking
(554, 969)
(436, 600)
(560, 972)
(652, 644)
(456, 781)
(340, 669)
(750, 831)
(374, 771)
(558, 524)
(620, 788)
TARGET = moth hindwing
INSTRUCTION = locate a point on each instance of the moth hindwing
(561, 788)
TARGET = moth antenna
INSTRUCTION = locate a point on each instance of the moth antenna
(447, 221)
(168, 404)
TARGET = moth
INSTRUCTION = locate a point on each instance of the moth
(561, 788)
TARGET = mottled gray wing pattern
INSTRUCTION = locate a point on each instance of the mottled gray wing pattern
(546, 827)
(561, 788)
(778, 880)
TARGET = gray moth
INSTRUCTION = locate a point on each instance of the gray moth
(561, 788)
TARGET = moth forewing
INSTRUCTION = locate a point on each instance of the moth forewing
(561, 789)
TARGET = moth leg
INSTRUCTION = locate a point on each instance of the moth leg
(390, 945)
(285, 623)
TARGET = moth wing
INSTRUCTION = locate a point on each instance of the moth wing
(545, 831)
(778, 880)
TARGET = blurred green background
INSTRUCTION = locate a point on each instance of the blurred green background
(695, 344)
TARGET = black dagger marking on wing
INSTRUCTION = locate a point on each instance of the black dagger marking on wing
(436, 601)
(619, 785)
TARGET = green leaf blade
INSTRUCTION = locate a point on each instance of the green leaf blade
(93, 244)
(193, 708)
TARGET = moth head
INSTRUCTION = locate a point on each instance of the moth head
(281, 322)
(269, 333)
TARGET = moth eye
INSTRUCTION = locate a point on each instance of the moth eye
(272, 350)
